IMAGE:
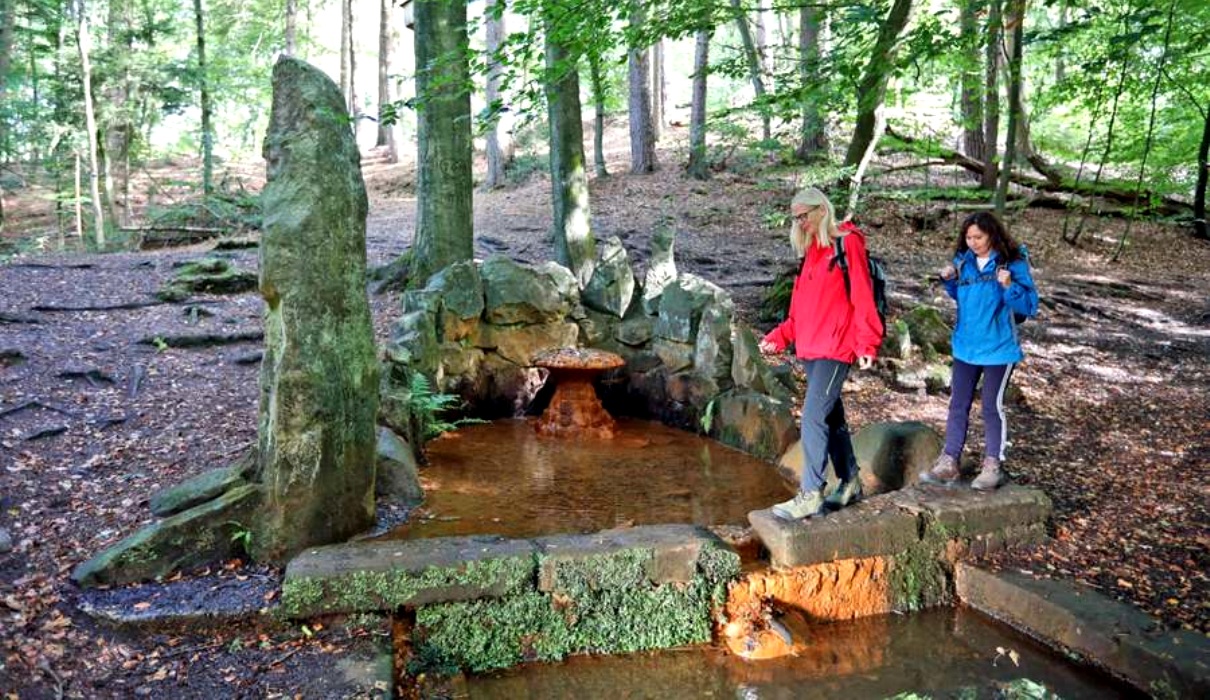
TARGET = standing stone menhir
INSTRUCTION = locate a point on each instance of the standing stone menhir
(319, 377)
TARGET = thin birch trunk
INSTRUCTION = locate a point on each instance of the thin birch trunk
(90, 121)
(1017, 24)
(754, 67)
(495, 38)
(291, 26)
(598, 99)
(204, 85)
(698, 168)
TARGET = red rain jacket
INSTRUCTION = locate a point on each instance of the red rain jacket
(823, 324)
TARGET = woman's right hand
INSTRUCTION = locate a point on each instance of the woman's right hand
(948, 272)
(768, 347)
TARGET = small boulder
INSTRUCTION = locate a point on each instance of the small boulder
(612, 284)
(890, 456)
(397, 476)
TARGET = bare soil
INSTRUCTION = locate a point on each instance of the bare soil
(1111, 415)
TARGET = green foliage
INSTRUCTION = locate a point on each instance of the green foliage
(523, 166)
(604, 604)
(240, 533)
(775, 302)
(426, 406)
(707, 420)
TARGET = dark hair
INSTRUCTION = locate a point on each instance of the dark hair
(1001, 241)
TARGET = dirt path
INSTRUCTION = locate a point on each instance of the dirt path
(95, 415)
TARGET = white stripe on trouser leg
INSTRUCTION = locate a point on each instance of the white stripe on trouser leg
(1008, 372)
(835, 371)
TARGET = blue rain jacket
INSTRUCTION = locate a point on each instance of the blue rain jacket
(985, 332)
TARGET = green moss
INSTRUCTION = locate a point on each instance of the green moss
(718, 564)
(386, 590)
(919, 575)
(532, 626)
(614, 570)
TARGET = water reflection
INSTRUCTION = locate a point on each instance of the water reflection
(501, 478)
(938, 653)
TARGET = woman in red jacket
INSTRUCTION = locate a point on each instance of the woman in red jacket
(830, 327)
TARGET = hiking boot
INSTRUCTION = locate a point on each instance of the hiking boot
(944, 471)
(803, 505)
(846, 493)
(991, 476)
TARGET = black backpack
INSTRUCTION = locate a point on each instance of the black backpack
(878, 278)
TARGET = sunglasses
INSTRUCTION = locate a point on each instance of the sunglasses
(803, 216)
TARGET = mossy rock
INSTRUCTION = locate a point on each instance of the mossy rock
(929, 331)
(209, 275)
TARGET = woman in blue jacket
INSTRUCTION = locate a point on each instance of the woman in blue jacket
(989, 278)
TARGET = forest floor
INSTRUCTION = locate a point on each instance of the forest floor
(1111, 417)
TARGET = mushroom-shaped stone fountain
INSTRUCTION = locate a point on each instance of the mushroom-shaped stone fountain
(575, 410)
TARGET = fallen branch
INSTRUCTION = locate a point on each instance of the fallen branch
(1168, 204)
(202, 340)
(99, 307)
(6, 317)
(169, 229)
(32, 403)
(52, 266)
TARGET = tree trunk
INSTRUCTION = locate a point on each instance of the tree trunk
(354, 108)
(1200, 228)
(571, 232)
(814, 143)
(754, 67)
(658, 93)
(1060, 66)
(346, 52)
(386, 131)
(972, 89)
(90, 121)
(207, 130)
(642, 132)
(991, 96)
(291, 26)
(7, 20)
(698, 168)
(118, 130)
(1016, 17)
(494, 13)
(598, 100)
(79, 201)
(872, 88)
(444, 230)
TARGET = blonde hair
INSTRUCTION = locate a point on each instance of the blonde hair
(800, 240)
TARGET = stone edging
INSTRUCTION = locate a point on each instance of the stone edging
(1111, 635)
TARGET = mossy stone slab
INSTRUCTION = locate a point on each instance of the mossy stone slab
(384, 575)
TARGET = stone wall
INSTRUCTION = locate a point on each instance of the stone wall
(475, 326)
(486, 602)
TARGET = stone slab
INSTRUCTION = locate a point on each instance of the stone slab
(384, 575)
(964, 512)
(192, 603)
(1115, 636)
(873, 527)
(196, 491)
(620, 559)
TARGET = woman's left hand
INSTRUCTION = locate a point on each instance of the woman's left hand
(1004, 277)
(865, 362)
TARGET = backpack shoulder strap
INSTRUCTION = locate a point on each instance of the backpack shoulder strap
(839, 258)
